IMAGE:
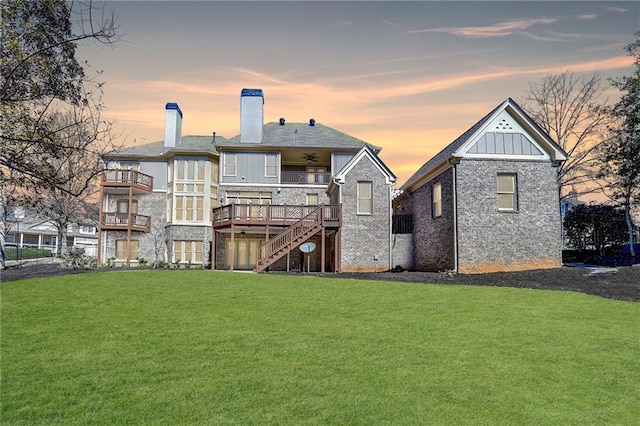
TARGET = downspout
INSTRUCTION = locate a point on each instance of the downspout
(390, 229)
(455, 217)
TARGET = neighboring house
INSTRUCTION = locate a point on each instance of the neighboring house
(249, 202)
(35, 232)
(488, 201)
(567, 204)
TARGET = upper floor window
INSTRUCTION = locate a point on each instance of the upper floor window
(436, 200)
(124, 165)
(87, 229)
(230, 163)
(123, 206)
(507, 192)
(189, 208)
(365, 198)
(189, 170)
(271, 165)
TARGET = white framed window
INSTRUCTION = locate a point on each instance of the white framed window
(271, 165)
(230, 164)
(365, 198)
(189, 208)
(507, 192)
(189, 170)
(87, 229)
(187, 251)
(436, 200)
(312, 199)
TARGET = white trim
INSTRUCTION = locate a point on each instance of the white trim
(364, 152)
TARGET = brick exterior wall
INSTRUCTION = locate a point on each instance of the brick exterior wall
(490, 240)
(365, 237)
(433, 238)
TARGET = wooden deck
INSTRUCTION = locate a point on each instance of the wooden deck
(272, 215)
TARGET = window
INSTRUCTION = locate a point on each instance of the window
(121, 249)
(263, 198)
(189, 208)
(436, 200)
(317, 175)
(365, 198)
(271, 165)
(507, 192)
(230, 162)
(123, 206)
(312, 199)
(87, 229)
(190, 170)
(187, 251)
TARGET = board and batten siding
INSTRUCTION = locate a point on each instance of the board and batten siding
(250, 168)
(339, 160)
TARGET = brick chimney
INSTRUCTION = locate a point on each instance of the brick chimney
(251, 115)
(172, 125)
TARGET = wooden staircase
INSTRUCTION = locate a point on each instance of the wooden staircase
(288, 240)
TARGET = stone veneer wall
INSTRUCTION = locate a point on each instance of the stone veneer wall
(365, 237)
(490, 240)
(402, 250)
(433, 238)
(153, 205)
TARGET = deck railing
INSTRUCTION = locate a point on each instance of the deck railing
(305, 178)
(117, 176)
(121, 220)
(271, 213)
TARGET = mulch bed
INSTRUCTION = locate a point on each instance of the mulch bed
(623, 285)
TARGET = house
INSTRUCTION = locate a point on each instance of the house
(249, 202)
(487, 202)
(33, 231)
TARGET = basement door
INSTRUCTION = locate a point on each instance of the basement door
(245, 253)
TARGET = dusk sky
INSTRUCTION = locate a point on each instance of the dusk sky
(407, 76)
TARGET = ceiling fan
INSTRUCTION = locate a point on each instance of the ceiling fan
(310, 158)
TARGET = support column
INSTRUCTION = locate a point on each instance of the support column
(232, 248)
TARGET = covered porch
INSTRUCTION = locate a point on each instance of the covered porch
(265, 237)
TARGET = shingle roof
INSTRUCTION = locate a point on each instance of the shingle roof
(189, 143)
(446, 153)
(301, 135)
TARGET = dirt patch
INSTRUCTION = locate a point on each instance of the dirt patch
(621, 285)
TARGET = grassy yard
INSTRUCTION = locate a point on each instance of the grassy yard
(202, 347)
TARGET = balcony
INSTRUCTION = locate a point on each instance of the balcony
(125, 221)
(270, 214)
(120, 181)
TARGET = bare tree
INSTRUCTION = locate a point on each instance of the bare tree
(39, 77)
(571, 110)
(40, 80)
(88, 139)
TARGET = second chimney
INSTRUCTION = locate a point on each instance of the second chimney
(172, 125)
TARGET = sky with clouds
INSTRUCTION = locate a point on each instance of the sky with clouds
(407, 76)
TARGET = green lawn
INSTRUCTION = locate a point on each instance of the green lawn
(202, 347)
